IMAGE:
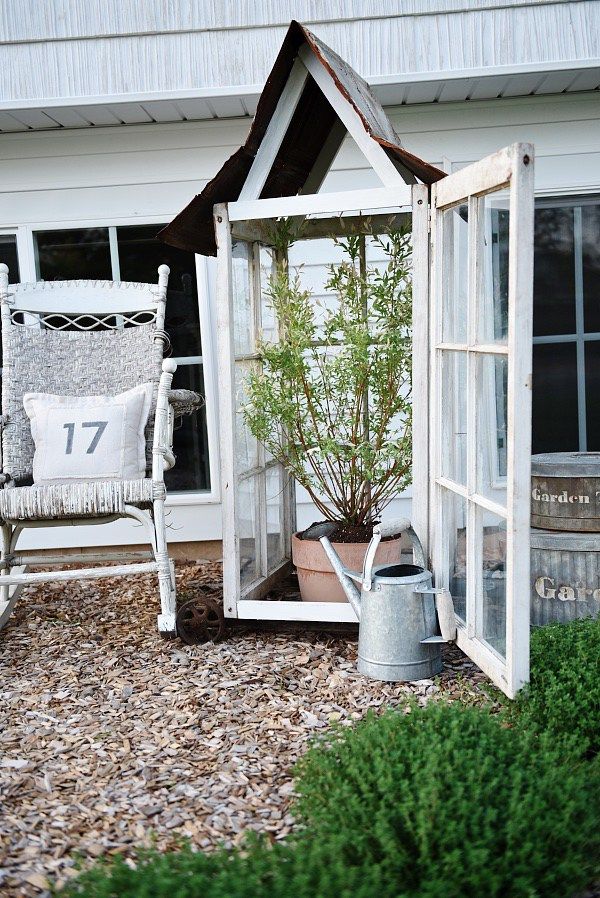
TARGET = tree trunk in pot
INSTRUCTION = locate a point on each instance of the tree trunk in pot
(316, 577)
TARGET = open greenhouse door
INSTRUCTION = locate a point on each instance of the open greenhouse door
(474, 470)
(258, 494)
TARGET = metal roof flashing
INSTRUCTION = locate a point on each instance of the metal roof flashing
(310, 125)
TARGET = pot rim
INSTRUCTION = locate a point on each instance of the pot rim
(297, 537)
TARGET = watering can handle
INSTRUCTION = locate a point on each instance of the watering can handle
(403, 525)
(391, 528)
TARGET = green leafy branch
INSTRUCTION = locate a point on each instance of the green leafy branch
(332, 398)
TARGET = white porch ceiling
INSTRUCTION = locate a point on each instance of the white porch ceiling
(392, 90)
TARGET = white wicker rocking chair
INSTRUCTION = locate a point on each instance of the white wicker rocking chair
(54, 341)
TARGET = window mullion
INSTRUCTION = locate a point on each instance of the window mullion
(474, 593)
(114, 253)
(580, 327)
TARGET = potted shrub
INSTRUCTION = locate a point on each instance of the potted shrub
(332, 401)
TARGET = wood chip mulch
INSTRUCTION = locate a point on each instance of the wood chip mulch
(112, 738)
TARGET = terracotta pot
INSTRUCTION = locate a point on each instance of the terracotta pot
(316, 577)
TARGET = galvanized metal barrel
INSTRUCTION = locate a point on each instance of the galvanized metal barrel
(565, 491)
(565, 576)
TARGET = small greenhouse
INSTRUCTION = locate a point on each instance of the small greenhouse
(471, 342)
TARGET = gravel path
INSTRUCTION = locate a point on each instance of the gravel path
(111, 737)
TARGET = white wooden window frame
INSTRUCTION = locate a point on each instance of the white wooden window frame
(204, 275)
(581, 336)
(512, 168)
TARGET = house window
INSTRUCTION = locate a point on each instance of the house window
(8, 255)
(566, 326)
(134, 254)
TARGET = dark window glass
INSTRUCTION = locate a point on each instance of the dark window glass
(555, 423)
(140, 254)
(85, 254)
(500, 229)
(554, 272)
(73, 255)
(592, 395)
(8, 255)
(190, 442)
(590, 233)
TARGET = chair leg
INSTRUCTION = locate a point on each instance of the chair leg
(8, 594)
(166, 574)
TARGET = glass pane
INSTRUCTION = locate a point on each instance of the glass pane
(276, 551)
(454, 275)
(493, 306)
(246, 446)
(190, 440)
(494, 582)
(140, 254)
(554, 272)
(8, 255)
(554, 418)
(243, 316)
(592, 392)
(456, 522)
(454, 427)
(492, 430)
(246, 521)
(310, 262)
(73, 255)
(590, 228)
(268, 319)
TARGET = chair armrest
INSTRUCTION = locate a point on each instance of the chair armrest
(185, 402)
(162, 453)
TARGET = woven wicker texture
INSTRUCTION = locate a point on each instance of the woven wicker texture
(185, 402)
(69, 363)
(73, 500)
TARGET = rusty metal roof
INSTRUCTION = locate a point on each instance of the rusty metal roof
(311, 123)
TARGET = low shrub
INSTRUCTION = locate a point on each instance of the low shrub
(443, 802)
(307, 870)
(447, 802)
(563, 697)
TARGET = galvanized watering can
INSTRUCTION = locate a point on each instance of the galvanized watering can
(397, 608)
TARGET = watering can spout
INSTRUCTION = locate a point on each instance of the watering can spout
(351, 591)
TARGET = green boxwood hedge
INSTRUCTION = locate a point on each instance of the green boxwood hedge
(442, 802)
(450, 802)
(563, 697)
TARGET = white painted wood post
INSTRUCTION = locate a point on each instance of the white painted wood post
(520, 348)
(420, 363)
(225, 357)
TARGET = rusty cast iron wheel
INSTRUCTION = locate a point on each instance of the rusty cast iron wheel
(200, 620)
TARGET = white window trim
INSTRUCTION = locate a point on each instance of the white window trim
(27, 269)
(580, 337)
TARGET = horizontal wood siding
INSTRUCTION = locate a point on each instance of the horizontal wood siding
(125, 47)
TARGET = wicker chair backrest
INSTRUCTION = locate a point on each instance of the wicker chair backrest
(53, 347)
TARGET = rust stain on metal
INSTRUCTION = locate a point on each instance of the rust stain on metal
(311, 123)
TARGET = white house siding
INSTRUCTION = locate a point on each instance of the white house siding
(147, 173)
(76, 50)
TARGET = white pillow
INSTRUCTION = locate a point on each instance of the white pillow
(89, 437)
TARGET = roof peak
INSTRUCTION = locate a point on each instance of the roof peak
(295, 136)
